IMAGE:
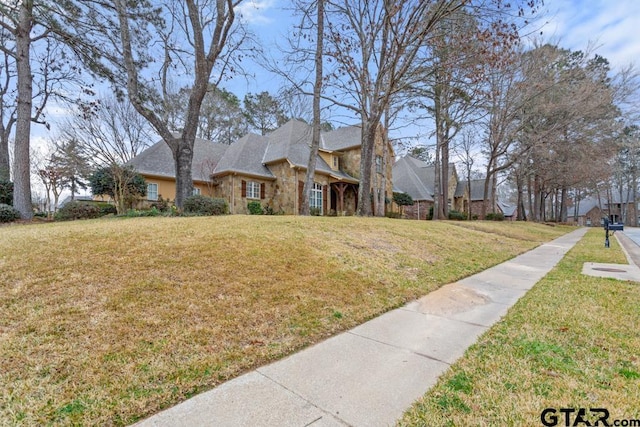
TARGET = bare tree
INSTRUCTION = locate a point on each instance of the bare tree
(375, 46)
(7, 103)
(113, 135)
(208, 29)
(466, 152)
(317, 92)
(26, 24)
(52, 178)
(568, 123)
(19, 21)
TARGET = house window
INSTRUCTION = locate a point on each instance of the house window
(335, 162)
(152, 191)
(378, 164)
(196, 191)
(253, 190)
(316, 197)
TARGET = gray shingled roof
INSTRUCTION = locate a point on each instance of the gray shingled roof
(341, 139)
(245, 156)
(417, 178)
(507, 209)
(292, 141)
(250, 155)
(412, 176)
(157, 160)
(288, 142)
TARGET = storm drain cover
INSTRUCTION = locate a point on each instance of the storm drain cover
(610, 270)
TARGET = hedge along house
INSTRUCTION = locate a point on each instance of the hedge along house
(271, 169)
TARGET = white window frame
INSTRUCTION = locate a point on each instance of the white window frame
(315, 200)
(196, 191)
(150, 192)
(253, 190)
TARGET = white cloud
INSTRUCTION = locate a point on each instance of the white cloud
(611, 26)
(255, 11)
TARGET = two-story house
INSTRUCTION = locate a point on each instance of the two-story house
(271, 169)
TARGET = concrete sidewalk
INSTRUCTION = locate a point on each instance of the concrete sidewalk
(370, 375)
(631, 249)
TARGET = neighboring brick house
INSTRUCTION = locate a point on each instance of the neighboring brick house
(272, 168)
(589, 212)
(417, 178)
(476, 198)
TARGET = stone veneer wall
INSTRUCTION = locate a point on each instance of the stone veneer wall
(419, 210)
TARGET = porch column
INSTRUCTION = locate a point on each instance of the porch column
(340, 187)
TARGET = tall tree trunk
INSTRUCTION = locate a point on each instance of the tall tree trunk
(563, 205)
(485, 191)
(437, 180)
(530, 192)
(317, 91)
(366, 162)
(537, 199)
(381, 191)
(444, 209)
(21, 165)
(5, 163)
(520, 212)
(438, 210)
(634, 181)
(183, 158)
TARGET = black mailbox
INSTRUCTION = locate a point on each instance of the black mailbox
(608, 226)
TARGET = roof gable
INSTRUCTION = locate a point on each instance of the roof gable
(245, 156)
(158, 160)
(341, 138)
(412, 176)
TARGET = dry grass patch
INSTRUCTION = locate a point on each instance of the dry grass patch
(571, 342)
(108, 321)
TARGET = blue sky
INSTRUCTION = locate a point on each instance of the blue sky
(612, 26)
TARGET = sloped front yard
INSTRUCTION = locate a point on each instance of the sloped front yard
(108, 321)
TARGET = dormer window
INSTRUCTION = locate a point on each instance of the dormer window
(336, 162)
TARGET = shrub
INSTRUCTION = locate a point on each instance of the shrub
(255, 208)
(315, 211)
(402, 199)
(106, 209)
(393, 215)
(268, 210)
(135, 213)
(163, 205)
(123, 184)
(202, 205)
(458, 216)
(78, 210)
(8, 213)
(495, 216)
(6, 192)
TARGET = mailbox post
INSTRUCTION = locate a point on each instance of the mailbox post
(610, 227)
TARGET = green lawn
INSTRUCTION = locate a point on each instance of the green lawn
(108, 321)
(573, 341)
